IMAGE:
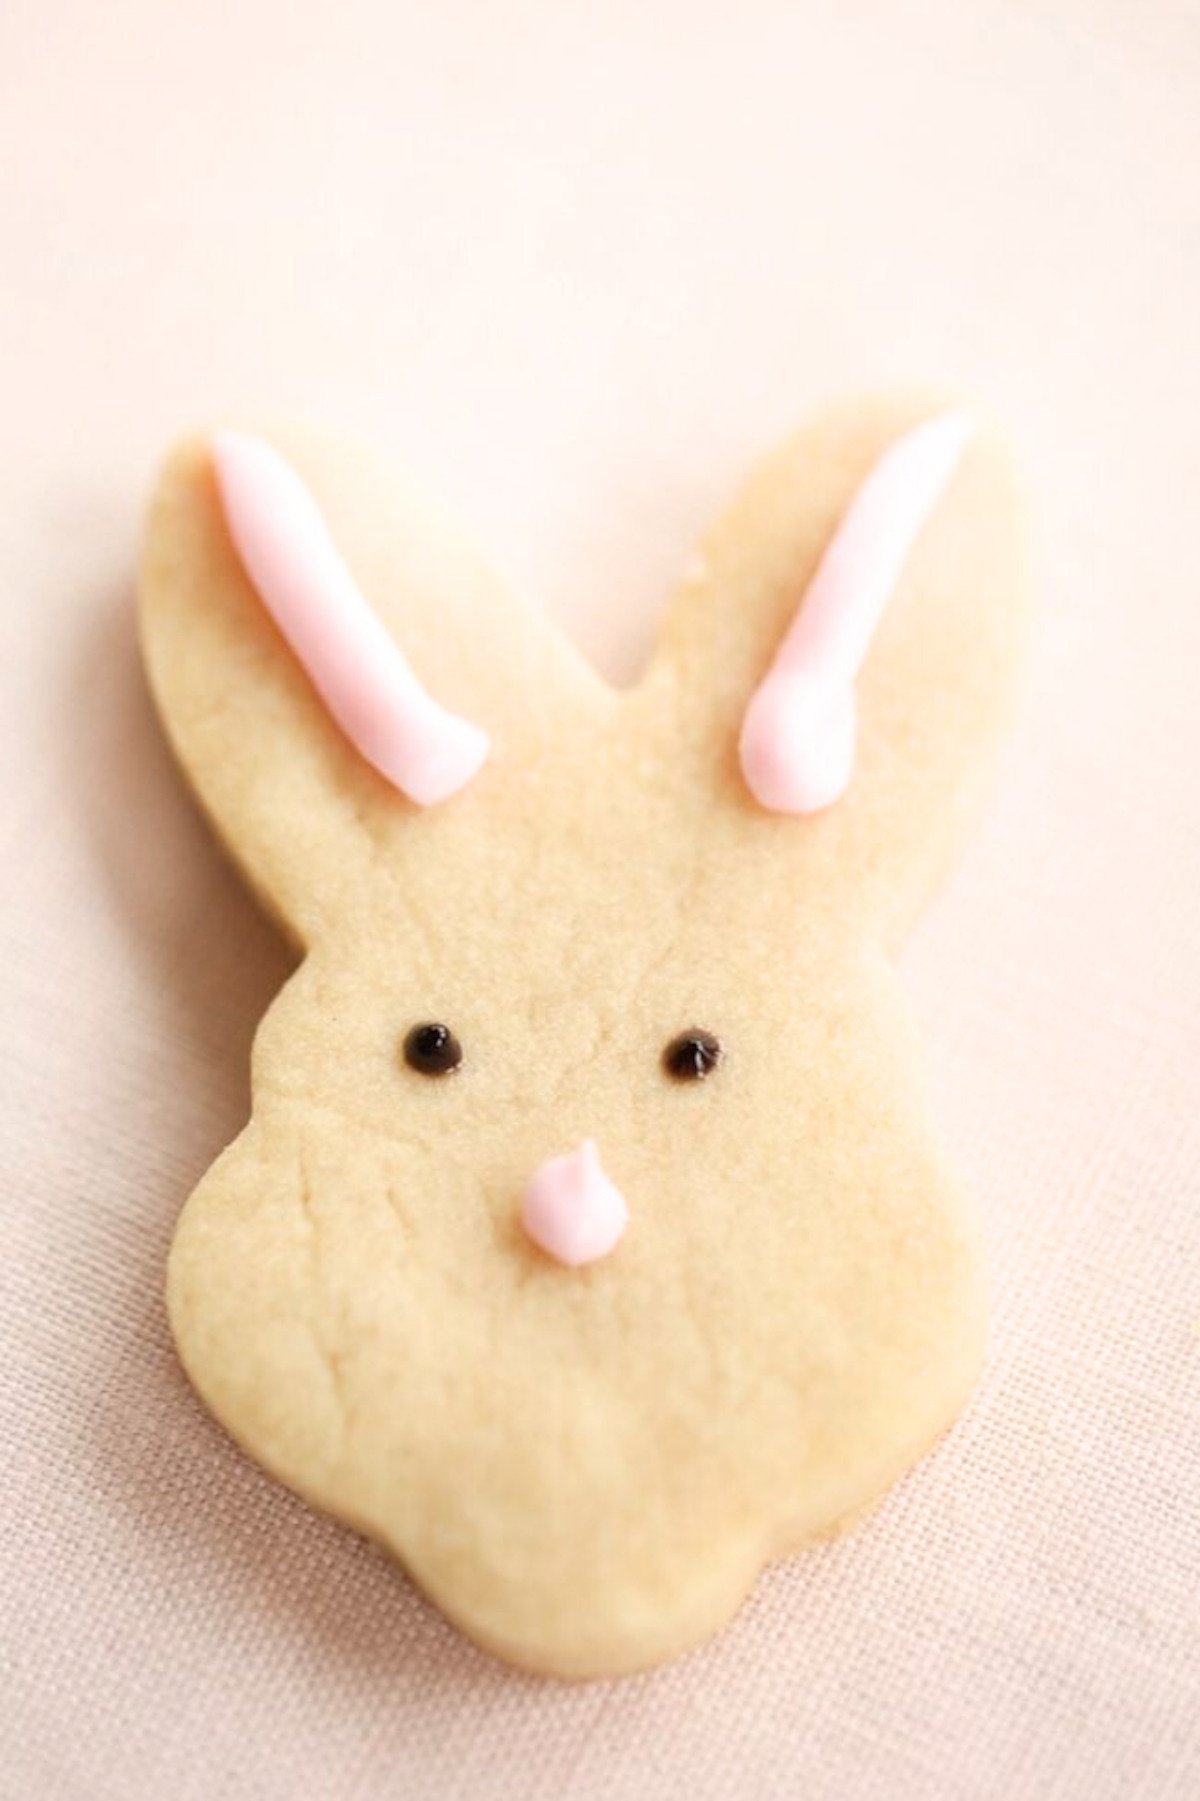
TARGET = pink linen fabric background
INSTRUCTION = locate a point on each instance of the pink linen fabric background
(580, 264)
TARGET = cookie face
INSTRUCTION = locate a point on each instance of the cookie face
(588, 1245)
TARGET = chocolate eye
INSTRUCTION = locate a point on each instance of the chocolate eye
(433, 1050)
(693, 1055)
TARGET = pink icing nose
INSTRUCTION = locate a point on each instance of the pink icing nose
(572, 1210)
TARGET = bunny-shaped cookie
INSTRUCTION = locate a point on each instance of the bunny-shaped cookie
(588, 1245)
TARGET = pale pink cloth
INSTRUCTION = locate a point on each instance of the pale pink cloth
(581, 264)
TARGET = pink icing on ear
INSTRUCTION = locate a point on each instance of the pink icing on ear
(571, 1209)
(347, 652)
(798, 735)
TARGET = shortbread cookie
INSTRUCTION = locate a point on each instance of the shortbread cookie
(588, 1245)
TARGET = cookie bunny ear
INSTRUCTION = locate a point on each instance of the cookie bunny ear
(324, 654)
(844, 648)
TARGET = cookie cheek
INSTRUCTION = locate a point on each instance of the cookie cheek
(242, 1308)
